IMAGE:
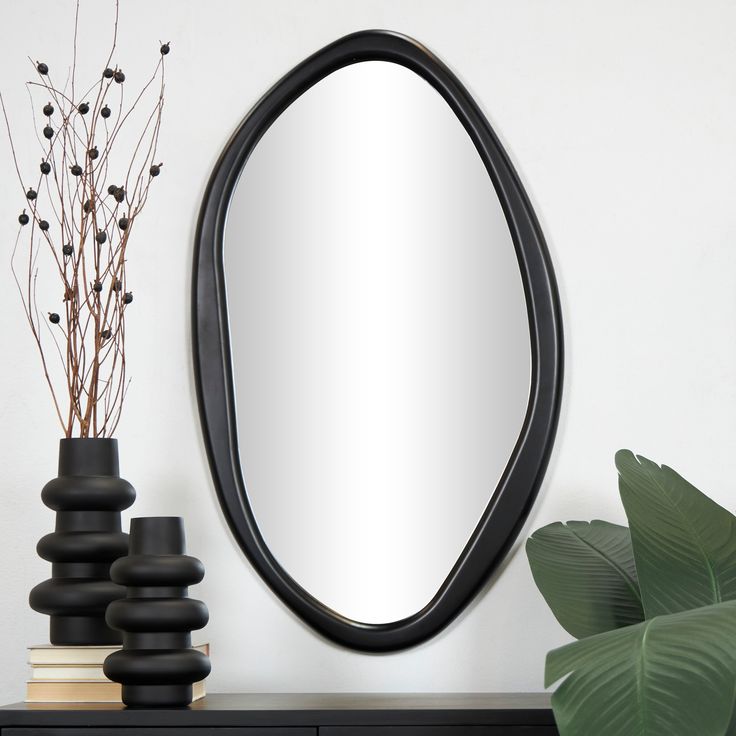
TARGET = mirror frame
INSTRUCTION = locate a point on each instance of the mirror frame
(516, 491)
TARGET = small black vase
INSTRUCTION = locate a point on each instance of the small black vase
(157, 665)
(88, 497)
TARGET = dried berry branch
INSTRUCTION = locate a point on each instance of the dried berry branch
(93, 201)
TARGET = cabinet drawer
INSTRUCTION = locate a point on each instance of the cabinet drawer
(439, 731)
(150, 731)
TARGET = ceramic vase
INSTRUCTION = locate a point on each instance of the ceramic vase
(157, 665)
(87, 496)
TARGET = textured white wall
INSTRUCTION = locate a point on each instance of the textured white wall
(621, 119)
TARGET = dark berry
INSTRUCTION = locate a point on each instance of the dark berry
(106, 334)
(76, 170)
(54, 318)
(112, 189)
(23, 218)
(119, 194)
(127, 297)
(119, 77)
(165, 49)
(155, 170)
(48, 132)
(45, 167)
(87, 206)
(43, 225)
(83, 108)
(97, 286)
(48, 109)
(93, 153)
(117, 285)
(106, 112)
(67, 250)
(31, 194)
(101, 236)
(108, 73)
(42, 68)
(123, 223)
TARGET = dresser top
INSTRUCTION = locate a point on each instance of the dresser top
(292, 709)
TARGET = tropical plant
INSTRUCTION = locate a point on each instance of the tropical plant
(653, 606)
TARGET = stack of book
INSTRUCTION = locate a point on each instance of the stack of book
(74, 675)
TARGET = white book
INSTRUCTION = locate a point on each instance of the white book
(84, 691)
(84, 672)
(74, 656)
(94, 656)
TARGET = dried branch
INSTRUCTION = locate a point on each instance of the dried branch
(89, 233)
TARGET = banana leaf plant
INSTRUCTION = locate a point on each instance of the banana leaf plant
(653, 606)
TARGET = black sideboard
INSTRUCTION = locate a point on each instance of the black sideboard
(515, 714)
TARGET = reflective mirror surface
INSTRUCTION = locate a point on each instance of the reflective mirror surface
(380, 339)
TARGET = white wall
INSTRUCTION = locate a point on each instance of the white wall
(621, 119)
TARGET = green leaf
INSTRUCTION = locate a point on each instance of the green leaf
(671, 675)
(731, 730)
(684, 543)
(586, 573)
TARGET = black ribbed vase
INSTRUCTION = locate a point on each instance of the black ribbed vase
(157, 665)
(88, 497)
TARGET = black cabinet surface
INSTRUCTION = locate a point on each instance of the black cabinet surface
(512, 714)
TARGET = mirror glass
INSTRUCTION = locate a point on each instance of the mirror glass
(380, 339)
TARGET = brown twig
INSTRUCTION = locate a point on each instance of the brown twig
(87, 240)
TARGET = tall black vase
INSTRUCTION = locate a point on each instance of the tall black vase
(88, 497)
(157, 665)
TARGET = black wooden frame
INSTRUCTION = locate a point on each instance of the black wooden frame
(519, 484)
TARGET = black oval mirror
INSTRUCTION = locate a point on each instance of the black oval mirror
(372, 286)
